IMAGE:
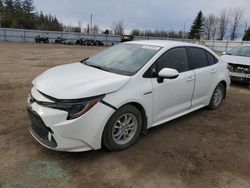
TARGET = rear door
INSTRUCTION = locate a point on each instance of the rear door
(205, 68)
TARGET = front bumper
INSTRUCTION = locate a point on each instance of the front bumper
(239, 75)
(51, 129)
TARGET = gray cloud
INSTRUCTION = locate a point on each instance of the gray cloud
(142, 14)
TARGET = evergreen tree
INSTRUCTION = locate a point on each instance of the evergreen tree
(28, 6)
(1, 12)
(21, 14)
(197, 27)
(18, 19)
(28, 14)
(1, 7)
(8, 13)
(247, 35)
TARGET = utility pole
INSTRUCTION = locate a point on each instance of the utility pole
(90, 23)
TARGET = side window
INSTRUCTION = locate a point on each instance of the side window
(211, 59)
(198, 58)
(175, 58)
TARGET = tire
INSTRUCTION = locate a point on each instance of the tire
(217, 97)
(122, 129)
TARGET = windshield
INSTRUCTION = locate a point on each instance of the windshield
(240, 51)
(126, 58)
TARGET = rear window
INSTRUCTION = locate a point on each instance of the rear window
(198, 58)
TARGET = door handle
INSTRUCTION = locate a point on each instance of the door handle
(190, 78)
(213, 71)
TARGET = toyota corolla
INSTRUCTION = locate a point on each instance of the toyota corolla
(107, 100)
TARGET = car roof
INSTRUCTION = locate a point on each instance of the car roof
(171, 44)
(163, 43)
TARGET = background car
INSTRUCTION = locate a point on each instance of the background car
(238, 60)
(126, 38)
(40, 39)
(80, 41)
(89, 42)
(60, 40)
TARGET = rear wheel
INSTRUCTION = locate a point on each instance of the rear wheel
(217, 97)
(123, 128)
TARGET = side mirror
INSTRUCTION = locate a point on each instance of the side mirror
(167, 73)
(224, 53)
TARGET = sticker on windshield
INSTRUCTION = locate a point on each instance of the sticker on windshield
(151, 47)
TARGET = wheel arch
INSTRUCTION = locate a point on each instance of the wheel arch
(224, 83)
(143, 114)
(142, 110)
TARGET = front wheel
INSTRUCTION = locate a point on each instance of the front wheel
(123, 128)
(217, 97)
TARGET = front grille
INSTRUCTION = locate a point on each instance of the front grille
(240, 68)
(40, 129)
(37, 125)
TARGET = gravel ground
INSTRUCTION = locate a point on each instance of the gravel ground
(202, 149)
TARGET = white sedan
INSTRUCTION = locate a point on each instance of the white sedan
(110, 98)
(239, 61)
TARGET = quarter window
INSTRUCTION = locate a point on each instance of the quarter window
(198, 58)
(211, 59)
(175, 59)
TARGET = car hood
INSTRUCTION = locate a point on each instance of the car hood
(236, 59)
(76, 81)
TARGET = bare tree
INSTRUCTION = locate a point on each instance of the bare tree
(80, 26)
(236, 17)
(210, 23)
(136, 32)
(214, 31)
(118, 27)
(86, 29)
(223, 23)
(96, 29)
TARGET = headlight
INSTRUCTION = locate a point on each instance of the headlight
(75, 108)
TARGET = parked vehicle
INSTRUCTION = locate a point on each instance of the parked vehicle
(239, 62)
(99, 43)
(126, 38)
(60, 40)
(81, 41)
(40, 39)
(89, 42)
(113, 96)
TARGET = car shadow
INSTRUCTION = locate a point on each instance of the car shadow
(240, 84)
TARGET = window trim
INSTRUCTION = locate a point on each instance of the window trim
(215, 59)
(206, 51)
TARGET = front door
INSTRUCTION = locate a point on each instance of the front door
(173, 96)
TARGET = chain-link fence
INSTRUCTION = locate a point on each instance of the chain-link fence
(22, 35)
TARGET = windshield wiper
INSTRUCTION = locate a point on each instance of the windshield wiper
(98, 67)
(83, 61)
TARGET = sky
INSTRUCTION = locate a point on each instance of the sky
(141, 14)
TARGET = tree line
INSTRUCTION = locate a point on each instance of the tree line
(21, 14)
(226, 25)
